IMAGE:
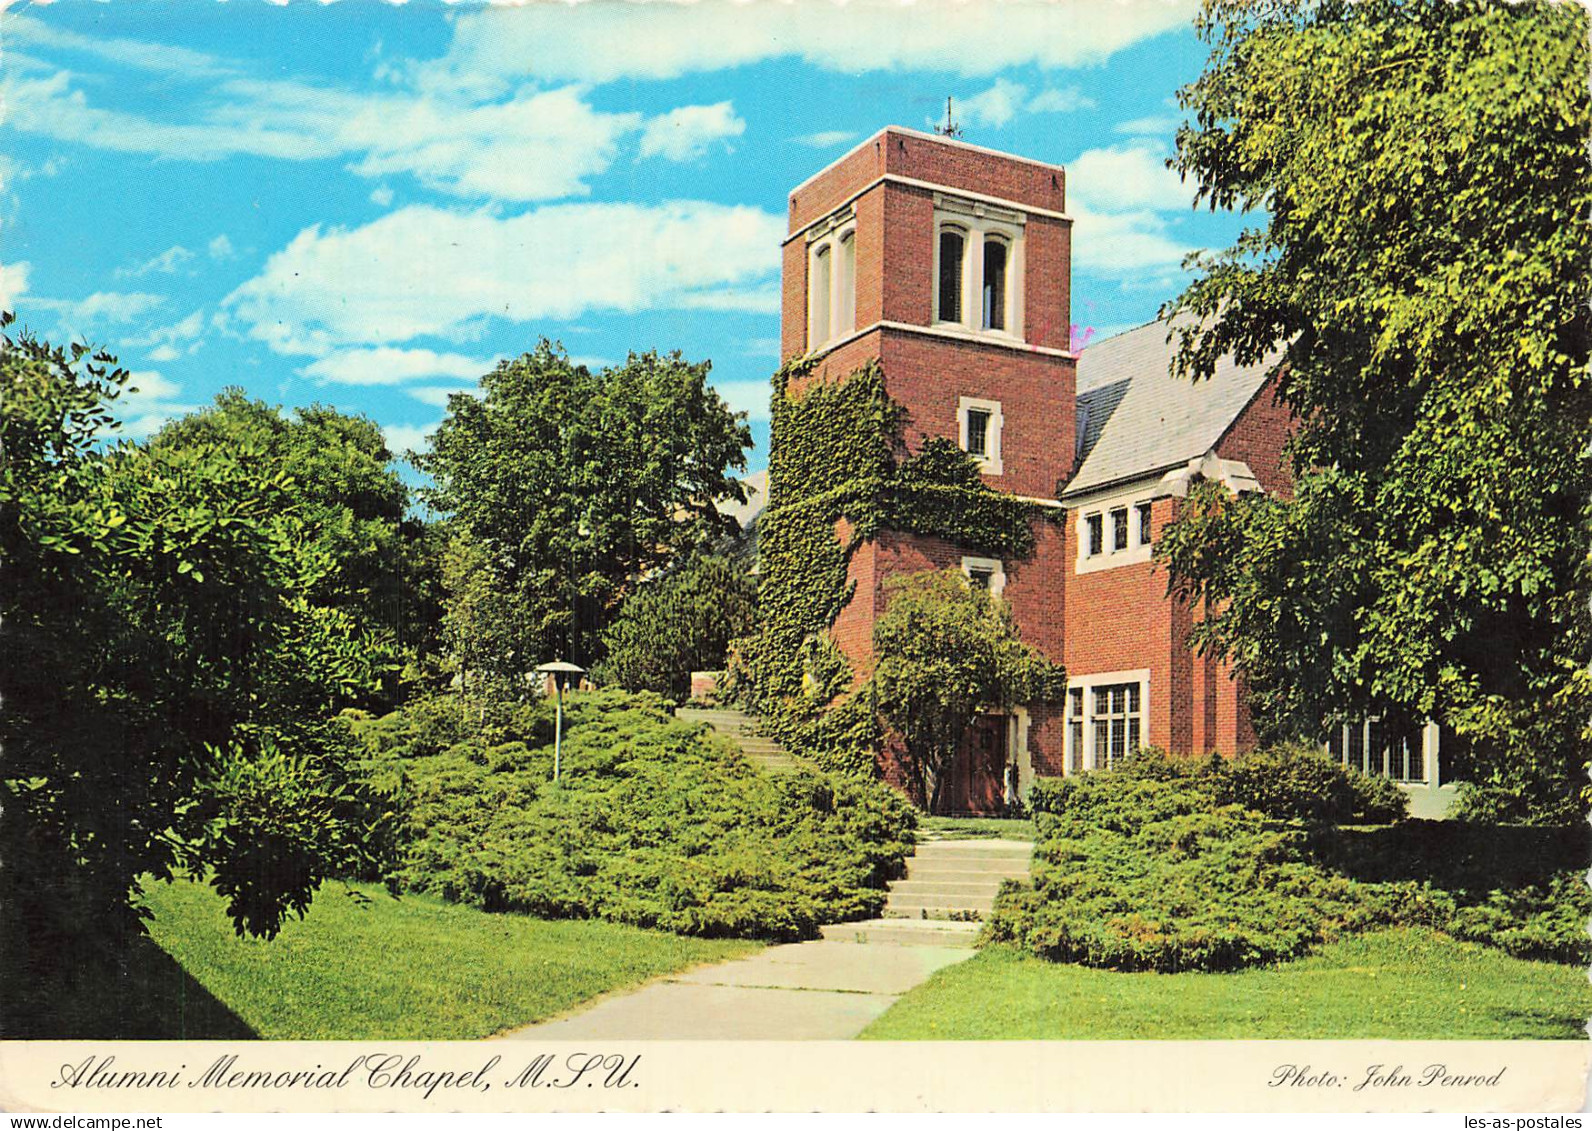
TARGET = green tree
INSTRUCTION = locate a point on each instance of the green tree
(945, 650)
(168, 685)
(351, 499)
(676, 623)
(571, 485)
(1421, 172)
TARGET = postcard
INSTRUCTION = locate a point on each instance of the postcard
(646, 556)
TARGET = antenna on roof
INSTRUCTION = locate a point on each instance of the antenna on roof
(950, 129)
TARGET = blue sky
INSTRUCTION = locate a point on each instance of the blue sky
(366, 205)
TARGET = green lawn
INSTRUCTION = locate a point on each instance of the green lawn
(1402, 984)
(974, 828)
(411, 968)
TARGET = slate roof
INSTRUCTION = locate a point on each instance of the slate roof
(1135, 418)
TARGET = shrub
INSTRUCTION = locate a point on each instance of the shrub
(1154, 866)
(1298, 782)
(677, 623)
(656, 822)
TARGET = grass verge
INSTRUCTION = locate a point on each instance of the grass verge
(414, 968)
(1407, 984)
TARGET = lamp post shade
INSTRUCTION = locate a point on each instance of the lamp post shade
(561, 671)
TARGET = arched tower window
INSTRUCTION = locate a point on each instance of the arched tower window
(996, 257)
(952, 248)
(846, 284)
(819, 297)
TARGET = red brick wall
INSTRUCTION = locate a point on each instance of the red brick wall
(895, 227)
(1036, 391)
(975, 170)
(1258, 437)
(853, 628)
(1119, 619)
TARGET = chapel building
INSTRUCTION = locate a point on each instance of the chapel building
(949, 265)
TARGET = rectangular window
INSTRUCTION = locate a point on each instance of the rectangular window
(1095, 526)
(1356, 758)
(980, 578)
(978, 432)
(1118, 723)
(1075, 730)
(1144, 523)
(1376, 750)
(1119, 529)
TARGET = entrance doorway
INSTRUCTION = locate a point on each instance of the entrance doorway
(975, 782)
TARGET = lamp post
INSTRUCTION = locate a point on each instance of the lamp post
(560, 670)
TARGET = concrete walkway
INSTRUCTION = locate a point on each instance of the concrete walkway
(826, 990)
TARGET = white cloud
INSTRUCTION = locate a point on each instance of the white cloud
(437, 395)
(167, 339)
(401, 438)
(750, 397)
(1153, 126)
(684, 134)
(389, 366)
(425, 271)
(531, 145)
(1002, 102)
(148, 401)
(138, 53)
(1060, 100)
(166, 263)
(13, 283)
(1131, 177)
(602, 42)
(1134, 244)
(381, 196)
(102, 307)
(993, 107)
(220, 248)
(825, 139)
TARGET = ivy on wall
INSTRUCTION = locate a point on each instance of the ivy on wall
(837, 454)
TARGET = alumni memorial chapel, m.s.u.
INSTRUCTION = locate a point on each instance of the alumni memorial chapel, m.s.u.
(948, 266)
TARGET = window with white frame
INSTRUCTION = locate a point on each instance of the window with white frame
(979, 424)
(1114, 532)
(831, 280)
(1371, 747)
(988, 574)
(1105, 720)
(978, 254)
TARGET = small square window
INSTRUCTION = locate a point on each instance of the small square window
(980, 578)
(1144, 523)
(978, 432)
(1095, 526)
(1119, 529)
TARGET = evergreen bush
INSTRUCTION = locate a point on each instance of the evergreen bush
(655, 822)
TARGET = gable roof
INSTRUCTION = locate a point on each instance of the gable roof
(1136, 418)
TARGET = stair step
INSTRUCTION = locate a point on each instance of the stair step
(933, 889)
(994, 848)
(963, 875)
(946, 908)
(904, 932)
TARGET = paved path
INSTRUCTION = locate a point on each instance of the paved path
(827, 989)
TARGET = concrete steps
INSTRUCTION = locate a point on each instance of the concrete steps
(956, 880)
(744, 730)
(904, 932)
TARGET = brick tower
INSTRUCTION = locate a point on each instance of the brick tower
(949, 265)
